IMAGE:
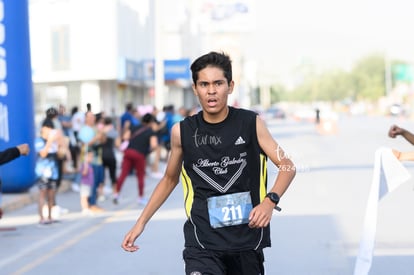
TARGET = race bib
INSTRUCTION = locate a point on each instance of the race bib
(228, 210)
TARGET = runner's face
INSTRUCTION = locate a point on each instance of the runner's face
(213, 90)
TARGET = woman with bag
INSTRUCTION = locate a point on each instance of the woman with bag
(60, 152)
(142, 139)
(47, 170)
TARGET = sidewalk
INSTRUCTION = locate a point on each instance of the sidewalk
(11, 202)
(16, 201)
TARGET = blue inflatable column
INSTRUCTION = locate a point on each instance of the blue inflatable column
(16, 94)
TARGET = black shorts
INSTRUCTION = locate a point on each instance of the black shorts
(200, 261)
(47, 184)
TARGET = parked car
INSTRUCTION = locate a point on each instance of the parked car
(275, 112)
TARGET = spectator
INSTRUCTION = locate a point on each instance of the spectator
(87, 181)
(93, 138)
(160, 129)
(142, 139)
(77, 119)
(47, 170)
(396, 131)
(62, 145)
(109, 162)
(129, 117)
(66, 122)
(10, 154)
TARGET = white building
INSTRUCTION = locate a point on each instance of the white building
(110, 52)
(103, 52)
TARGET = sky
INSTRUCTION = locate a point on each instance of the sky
(326, 32)
(333, 32)
(286, 34)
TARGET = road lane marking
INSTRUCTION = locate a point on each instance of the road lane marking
(60, 248)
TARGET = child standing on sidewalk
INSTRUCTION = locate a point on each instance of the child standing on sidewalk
(86, 183)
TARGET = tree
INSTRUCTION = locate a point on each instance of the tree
(365, 81)
(369, 78)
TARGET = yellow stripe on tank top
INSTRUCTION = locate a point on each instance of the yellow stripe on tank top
(188, 191)
(263, 177)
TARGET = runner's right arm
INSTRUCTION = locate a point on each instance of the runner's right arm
(161, 192)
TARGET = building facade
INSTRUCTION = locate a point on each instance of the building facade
(103, 52)
(110, 52)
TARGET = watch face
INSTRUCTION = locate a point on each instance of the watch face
(273, 197)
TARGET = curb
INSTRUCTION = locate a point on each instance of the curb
(11, 202)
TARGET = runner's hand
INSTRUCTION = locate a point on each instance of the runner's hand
(129, 239)
(261, 215)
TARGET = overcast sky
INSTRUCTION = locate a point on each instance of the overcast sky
(335, 31)
(288, 33)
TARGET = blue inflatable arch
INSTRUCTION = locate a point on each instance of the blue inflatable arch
(16, 95)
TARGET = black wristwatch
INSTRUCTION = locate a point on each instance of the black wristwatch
(274, 197)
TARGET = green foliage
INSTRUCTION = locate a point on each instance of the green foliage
(369, 75)
(365, 81)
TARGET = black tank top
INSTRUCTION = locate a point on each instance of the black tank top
(141, 141)
(219, 159)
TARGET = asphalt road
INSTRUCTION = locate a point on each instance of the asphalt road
(317, 232)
